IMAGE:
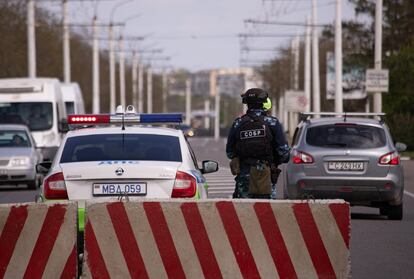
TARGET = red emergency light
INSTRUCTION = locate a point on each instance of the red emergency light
(89, 119)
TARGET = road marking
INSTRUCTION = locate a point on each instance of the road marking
(409, 194)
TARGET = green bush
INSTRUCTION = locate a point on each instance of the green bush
(402, 128)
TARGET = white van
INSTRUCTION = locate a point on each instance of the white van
(72, 96)
(37, 103)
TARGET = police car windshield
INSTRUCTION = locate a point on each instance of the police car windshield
(346, 136)
(38, 116)
(112, 147)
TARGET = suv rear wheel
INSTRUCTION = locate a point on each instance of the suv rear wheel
(395, 212)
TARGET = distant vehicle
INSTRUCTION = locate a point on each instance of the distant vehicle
(37, 103)
(188, 131)
(72, 96)
(18, 156)
(131, 160)
(349, 158)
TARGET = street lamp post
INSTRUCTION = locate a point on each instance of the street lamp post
(316, 94)
(31, 38)
(378, 52)
(338, 58)
(95, 61)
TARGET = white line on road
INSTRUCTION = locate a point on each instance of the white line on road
(409, 194)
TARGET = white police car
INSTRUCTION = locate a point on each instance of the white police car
(124, 158)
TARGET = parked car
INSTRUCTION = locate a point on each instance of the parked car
(18, 156)
(351, 158)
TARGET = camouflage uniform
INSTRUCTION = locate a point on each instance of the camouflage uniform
(280, 151)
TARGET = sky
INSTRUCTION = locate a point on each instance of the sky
(199, 34)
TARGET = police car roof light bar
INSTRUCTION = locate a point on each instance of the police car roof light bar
(130, 118)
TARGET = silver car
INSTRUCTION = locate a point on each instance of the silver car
(351, 158)
(18, 156)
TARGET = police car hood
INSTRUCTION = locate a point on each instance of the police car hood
(119, 170)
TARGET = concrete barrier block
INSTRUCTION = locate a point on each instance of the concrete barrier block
(217, 239)
(38, 240)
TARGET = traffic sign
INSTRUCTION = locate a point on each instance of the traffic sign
(377, 80)
(295, 101)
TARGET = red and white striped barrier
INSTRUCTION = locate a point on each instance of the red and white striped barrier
(38, 240)
(217, 239)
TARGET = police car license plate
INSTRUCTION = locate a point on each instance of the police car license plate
(346, 166)
(115, 189)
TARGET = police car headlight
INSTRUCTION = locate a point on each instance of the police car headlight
(20, 161)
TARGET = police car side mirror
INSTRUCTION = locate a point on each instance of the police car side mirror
(43, 167)
(209, 167)
(63, 125)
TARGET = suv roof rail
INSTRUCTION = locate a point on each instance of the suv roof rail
(306, 115)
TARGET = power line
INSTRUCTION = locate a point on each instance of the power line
(253, 21)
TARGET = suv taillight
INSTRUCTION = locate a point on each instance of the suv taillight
(184, 186)
(54, 187)
(391, 158)
(300, 157)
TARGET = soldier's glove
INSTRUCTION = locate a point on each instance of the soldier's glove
(235, 166)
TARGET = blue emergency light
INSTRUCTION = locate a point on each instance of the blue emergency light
(161, 118)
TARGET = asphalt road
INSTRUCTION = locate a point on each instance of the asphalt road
(380, 248)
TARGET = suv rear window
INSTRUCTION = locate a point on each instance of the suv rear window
(117, 147)
(346, 136)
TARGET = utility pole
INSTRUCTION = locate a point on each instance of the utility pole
(207, 114)
(95, 63)
(188, 101)
(140, 88)
(378, 52)
(31, 38)
(149, 89)
(112, 80)
(307, 86)
(214, 91)
(122, 72)
(295, 53)
(274, 110)
(281, 108)
(316, 101)
(66, 42)
(295, 50)
(338, 58)
(134, 79)
(164, 90)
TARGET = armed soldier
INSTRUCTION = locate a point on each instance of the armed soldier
(256, 145)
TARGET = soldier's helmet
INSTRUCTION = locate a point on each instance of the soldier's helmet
(255, 97)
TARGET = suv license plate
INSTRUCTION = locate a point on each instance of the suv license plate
(115, 189)
(346, 166)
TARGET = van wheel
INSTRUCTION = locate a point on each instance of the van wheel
(395, 212)
(32, 185)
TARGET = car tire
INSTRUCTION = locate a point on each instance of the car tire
(395, 212)
(32, 185)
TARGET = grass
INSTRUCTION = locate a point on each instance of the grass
(408, 154)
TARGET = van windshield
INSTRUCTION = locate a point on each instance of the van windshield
(38, 116)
